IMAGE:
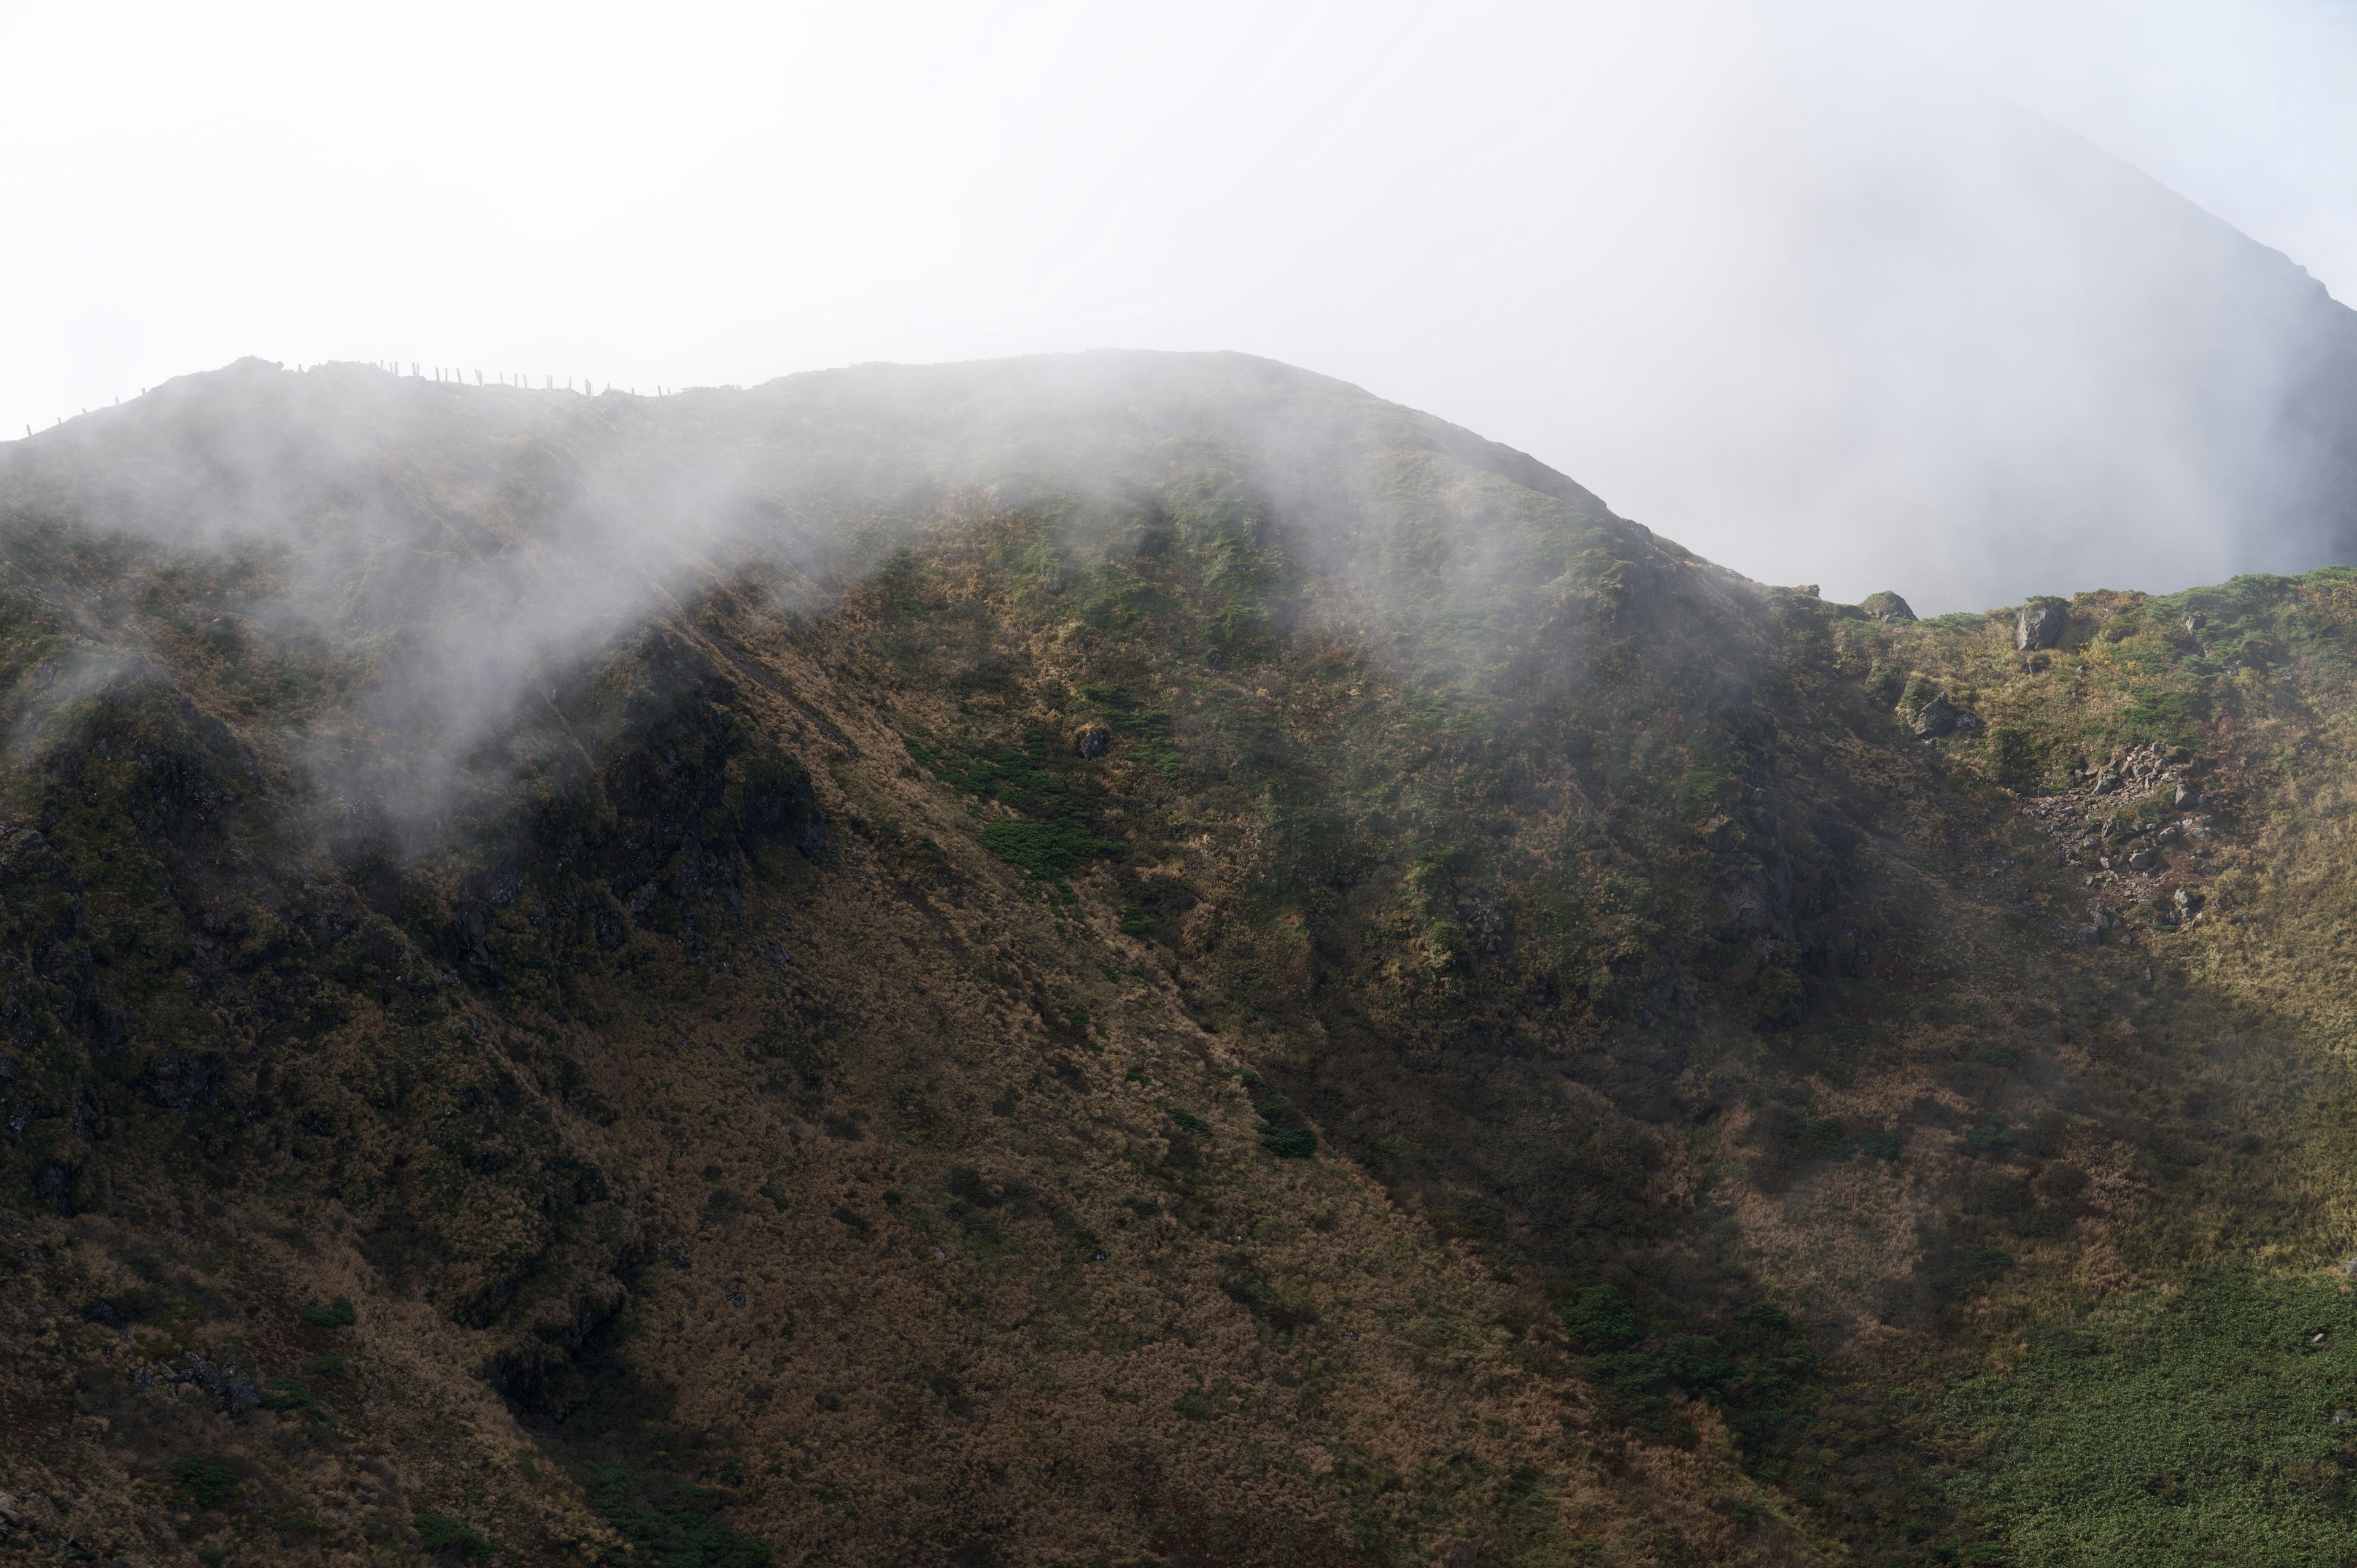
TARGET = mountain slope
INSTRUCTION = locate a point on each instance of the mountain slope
(1139, 958)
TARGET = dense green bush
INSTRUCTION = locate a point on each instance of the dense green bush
(208, 1481)
(447, 1536)
(670, 1524)
(294, 1394)
(1600, 1318)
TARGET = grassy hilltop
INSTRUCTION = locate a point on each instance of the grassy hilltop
(1132, 959)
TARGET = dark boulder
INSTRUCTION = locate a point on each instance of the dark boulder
(1940, 717)
(1092, 741)
(2042, 624)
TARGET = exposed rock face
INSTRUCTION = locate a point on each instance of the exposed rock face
(1091, 741)
(1888, 607)
(1940, 717)
(2042, 624)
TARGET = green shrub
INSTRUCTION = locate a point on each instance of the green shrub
(1049, 851)
(447, 1536)
(1884, 682)
(1879, 1144)
(1600, 1318)
(1190, 1123)
(1695, 1363)
(208, 1481)
(1824, 1137)
(291, 1393)
(337, 1314)
(670, 1524)
(1288, 1142)
(1992, 1137)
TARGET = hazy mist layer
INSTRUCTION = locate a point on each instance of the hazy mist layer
(448, 557)
(1781, 290)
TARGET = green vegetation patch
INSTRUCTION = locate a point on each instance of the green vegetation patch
(669, 1524)
(1145, 732)
(1751, 1367)
(1014, 775)
(1288, 1142)
(1049, 851)
(208, 1482)
(1049, 841)
(450, 1538)
(337, 1314)
(293, 1393)
(2203, 1426)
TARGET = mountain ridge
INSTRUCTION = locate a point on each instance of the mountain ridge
(1132, 960)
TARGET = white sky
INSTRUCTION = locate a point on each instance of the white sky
(1614, 241)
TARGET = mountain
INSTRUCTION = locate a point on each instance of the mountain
(1129, 958)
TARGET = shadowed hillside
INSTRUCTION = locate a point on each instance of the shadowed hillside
(1131, 958)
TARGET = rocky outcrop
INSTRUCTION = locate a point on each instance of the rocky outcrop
(1940, 717)
(2042, 624)
(1888, 607)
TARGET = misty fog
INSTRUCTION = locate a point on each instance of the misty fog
(1796, 287)
(459, 565)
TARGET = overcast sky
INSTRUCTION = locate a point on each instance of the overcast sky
(1686, 256)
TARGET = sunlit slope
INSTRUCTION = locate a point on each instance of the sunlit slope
(1122, 958)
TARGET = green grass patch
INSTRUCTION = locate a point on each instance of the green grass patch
(670, 1524)
(2189, 1428)
(337, 1314)
(1049, 851)
(1015, 775)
